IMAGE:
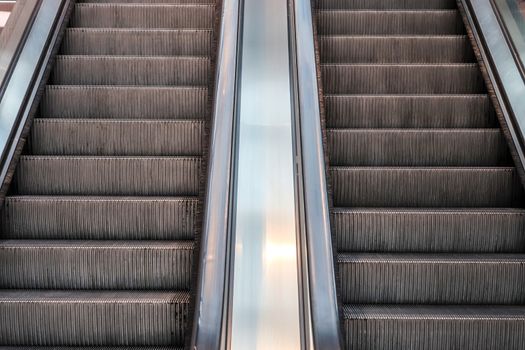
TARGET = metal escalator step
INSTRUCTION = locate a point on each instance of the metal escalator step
(426, 187)
(383, 4)
(89, 348)
(409, 111)
(417, 147)
(432, 278)
(148, 1)
(147, 42)
(99, 218)
(107, 176)
(402, 79)
(94, 318)
(395, 49)
(462, 230)
(124, 102)
(129, 70)
(391, 22)
(400, 327)
(122, 15)
(105, 137)
(116, 265)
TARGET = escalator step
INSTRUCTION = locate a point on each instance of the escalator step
(161, 265)
(126, 70)
(78, 318)
(124, 102)
(99, 137)
(399, 327)
(417, 147)
(429, 187)
(112, 218)
(402, 79)
(148, 42)
(409, 111)
(159, 16)
(106, 176)
(395, 49)
(414, 22)
(380, 4)
(432, 279)
(486, 230)
(148, 1)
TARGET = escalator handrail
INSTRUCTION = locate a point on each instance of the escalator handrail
(21, 89)
(211, 290)
(321, 275)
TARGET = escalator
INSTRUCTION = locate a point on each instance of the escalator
(100, 223)
(427, 212)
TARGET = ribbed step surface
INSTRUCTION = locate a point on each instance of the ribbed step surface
(441, 279)
(417, 147)
(117, 137)
(483, 230)
(414, 22)
(395, 49)
(380, 4)
(114, 218)
(123, 15)
(124, 102)
(100, 226)
(397, 79)
(125, 70)
(71, 318)
(434, 327)
(113, 41)
(112, 265)
(153, 176)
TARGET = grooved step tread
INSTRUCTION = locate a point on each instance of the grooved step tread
(396, 49)
(111, 218)
(377, 22)
(122, 15)
(109, 137)
(93, 318)
(124, 102)
(417, 147)
(51, 264)
(149, 42)
(385, 4)
(130, 70)
(409, 111)
(447, 230)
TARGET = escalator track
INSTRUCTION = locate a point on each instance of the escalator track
(99, 225)
(427, 210)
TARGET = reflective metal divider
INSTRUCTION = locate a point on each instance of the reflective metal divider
(266, 278)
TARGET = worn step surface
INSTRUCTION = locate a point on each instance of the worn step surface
(124, 102)
(435, 230)
(432, 278)
(94, 318)
(153, 15)
(402, 79)
(395, 49)
(398, 327)
(127, 176)
(381, 4)
(110, 137)
(417, 147)
(141, 42)
(131, 70)
(140, 265)
(409, 111)
(373, 22)
(90, 218)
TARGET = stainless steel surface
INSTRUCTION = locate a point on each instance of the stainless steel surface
(509, 84)
(212, 278)
(265, 304)
(322, 290)
(512, 15)
(22, 87)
